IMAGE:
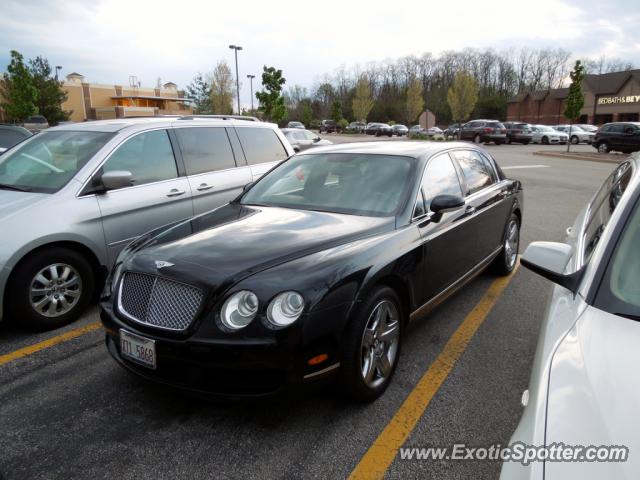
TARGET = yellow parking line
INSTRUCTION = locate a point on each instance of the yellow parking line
(381, 454)
(31, 349)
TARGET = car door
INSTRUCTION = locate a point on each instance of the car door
(446, 242)
(262, 149)
(485, 201)
(157, 197)
(214, 175)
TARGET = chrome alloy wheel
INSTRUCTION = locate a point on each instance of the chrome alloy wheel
(379, 346)
(55, 290)
(511, 243)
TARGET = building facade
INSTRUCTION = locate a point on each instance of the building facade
(608, 97)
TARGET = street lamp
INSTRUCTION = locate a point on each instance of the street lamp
(58, 67)
(236, 48)
(251, 77)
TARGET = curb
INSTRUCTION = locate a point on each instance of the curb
(577, 156)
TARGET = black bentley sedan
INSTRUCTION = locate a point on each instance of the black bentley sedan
(314, 271)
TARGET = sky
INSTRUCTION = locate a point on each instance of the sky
(109, 40)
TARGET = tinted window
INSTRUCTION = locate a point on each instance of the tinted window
(261, 145)
(205, 149)
(440, 177)
(8, 138)
(148, 156)
(616, 128)
(476, 172)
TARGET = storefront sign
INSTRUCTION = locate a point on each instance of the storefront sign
(623, 99)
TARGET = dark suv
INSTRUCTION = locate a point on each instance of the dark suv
(329, 126)
(621, 136)
(484, 131)
(518, 132)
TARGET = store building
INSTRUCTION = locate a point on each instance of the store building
(608, 97)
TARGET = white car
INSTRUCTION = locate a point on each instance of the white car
(587, 127)
(576, 134)
(584, 389)
(547, 135)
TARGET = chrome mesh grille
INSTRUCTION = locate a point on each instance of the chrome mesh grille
(158, 301)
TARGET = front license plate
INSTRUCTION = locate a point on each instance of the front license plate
(138, 349)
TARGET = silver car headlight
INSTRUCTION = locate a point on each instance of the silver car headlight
(239, 309)
(285, 308)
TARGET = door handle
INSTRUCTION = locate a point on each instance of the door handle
(174, 192)
(470, 210)
(204, 186)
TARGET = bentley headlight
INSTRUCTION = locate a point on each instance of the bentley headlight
(239, 309)
(285, 309)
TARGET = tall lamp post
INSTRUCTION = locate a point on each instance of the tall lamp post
(58, 67)
(251, 77)
(236, 48)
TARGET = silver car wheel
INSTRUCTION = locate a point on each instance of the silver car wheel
(511, 243)
(55, 290)
(379, 344)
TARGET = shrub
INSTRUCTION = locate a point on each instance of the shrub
(343, 124)
(314, 124)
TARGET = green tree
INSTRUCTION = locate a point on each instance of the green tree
(415, 102)
(17, 89)
(575, 99)
(50, 93)
(199, 90)
(307, 112)
(222, 89)
(271, 99)
(362, 102)
(462, 96)
(336, 111)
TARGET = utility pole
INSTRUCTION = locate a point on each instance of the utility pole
(251, 77)
(236, 48)
(58, 67)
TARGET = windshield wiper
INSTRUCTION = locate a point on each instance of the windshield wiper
(14, 187)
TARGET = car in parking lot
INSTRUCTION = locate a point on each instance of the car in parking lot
(302, 139)
(74, 196)
(400, 130)
(587, 127)
(575, 133)
(484, 131)
(583, 389)
(547, 135)
(357, 127)
(11, 135)
(416, 129)
(296, 125)
(379, 129)
(36, 123)
(618, 136)
(314, 270)
(329, 126)
(518, 132)
(452, 130)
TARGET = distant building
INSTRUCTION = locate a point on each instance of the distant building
(608, 97)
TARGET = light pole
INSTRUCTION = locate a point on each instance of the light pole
(251, 77)
(236, 48)
(58, 67)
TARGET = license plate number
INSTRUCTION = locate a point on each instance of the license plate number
(138, 349)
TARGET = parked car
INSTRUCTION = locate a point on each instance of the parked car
(484, 131)
(11, 135)
(588, 127)
(452, 130)
(546, 135)
(416, 129)
(583, 389)
(356, 127)
(296, 125)
(329, 126)
(400, 130)
(74, 196)
(618, 136)
(576, 134)
(518, 132)
(303, 139)
(218, 304)
(379, 129)
(36, 123)
(434, 131)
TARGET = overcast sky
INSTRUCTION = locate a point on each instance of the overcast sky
(108, 40)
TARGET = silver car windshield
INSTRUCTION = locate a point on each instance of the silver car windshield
(46, 162)
(357, 184)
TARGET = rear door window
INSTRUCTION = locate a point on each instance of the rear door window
(261, 145)
(205, 149)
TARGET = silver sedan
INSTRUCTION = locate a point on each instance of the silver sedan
(546, 135)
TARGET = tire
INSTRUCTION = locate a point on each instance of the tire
(476, 138)
(545, 141)
(35, 311)
(356, 356)
(603, 147)
(389, 135)
(508, 142)
(575, 140)
(497, 142)
(505, 262)
(526, 142)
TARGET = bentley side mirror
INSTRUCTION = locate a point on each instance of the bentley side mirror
(116, 179)
(446, 203)
(550, 259)
(316, 140)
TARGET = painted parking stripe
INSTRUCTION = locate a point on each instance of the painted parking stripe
(382, 452)
(515, 167)
(37, 347)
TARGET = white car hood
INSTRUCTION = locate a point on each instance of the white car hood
(594, 394)
(14, 203)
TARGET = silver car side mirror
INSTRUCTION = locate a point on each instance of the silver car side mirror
(116, 179)
(550, 259)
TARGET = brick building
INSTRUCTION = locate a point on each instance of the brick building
(609, 97)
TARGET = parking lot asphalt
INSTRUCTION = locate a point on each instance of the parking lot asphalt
(68, 411)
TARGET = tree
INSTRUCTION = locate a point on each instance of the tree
(199, 90)
(415, 102)
(271, 99)
(362, 102)
(336, 111)
(17, 89)
(307, 112)
(575, 99)
(50, 92)
(222, 89)
(462, 96)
